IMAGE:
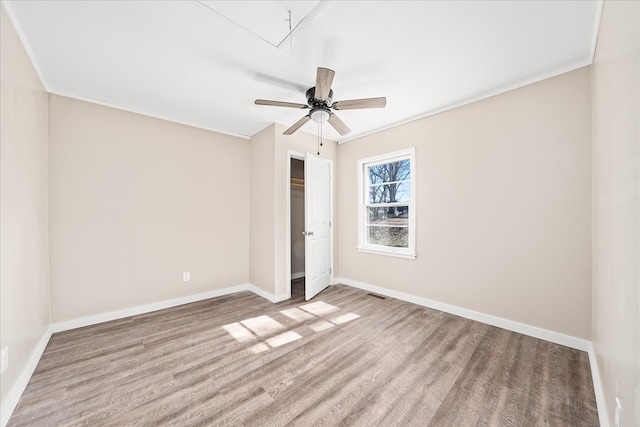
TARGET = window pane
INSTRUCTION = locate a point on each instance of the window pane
(397, 237)
(390, 172)
(386, 204)
(390, 193)
(397, 216)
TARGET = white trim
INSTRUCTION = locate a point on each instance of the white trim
(532, 331)
(471, 99)
(32, 58)
(279, 298)
(147, 308)
(133, 110)
(603, 413)
(293, 154)
(596, 30)
(405, 255)
(363, 204)
(266, 295)
(13, 397)
(8, 7)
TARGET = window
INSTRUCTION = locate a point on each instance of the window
(386, 199)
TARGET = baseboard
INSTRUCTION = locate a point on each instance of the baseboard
(10, 403)
(533, 331)
(147, 308)
(297, 275)
(266, 295)
(603, 412)
(16, 392)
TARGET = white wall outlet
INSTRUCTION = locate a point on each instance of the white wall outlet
(186, 276)
(618, 419)
(4, 359)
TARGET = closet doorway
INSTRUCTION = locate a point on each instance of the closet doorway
(297, 228)
(310, 212)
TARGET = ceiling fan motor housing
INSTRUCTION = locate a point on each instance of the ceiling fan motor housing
(315, 103)
(320, 110)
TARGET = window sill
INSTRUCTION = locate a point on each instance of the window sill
(387, 253)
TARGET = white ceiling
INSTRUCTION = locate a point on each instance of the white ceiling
(203, 63)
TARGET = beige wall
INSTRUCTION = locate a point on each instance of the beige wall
(616, 212)
(262, 237)
(270, 263)
(24, 251)
(135, 202)
(503, 201)
(503, 207)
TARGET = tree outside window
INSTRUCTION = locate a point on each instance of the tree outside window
(386, 220)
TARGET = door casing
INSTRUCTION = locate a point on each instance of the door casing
(292, 154)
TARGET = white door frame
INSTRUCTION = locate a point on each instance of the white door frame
(299, 155)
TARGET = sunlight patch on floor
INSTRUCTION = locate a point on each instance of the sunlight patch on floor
(321, 325)
(255, 328)
(319, 308)
(239, 332)
(297, 314)
(259, 348)
(262, 325)
(282, 339)
(344, 318)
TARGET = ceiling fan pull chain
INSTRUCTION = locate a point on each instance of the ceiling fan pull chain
(319, 130)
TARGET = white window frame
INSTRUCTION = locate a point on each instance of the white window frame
(363, 204)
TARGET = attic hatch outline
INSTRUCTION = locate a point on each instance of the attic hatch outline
(290, 21)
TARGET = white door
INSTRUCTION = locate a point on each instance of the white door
(317, 208)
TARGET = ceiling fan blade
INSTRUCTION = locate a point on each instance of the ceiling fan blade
(297, 125)
(353, 104)
(324, 78)
(281, 104)
(338, 125)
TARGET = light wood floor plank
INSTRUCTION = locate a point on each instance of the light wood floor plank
(345, 358)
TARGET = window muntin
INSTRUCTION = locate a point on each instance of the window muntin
(386, 194)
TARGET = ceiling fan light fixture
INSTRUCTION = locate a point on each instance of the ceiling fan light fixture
(320, 115)
(320, 101)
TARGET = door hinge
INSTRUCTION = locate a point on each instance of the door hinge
(331, 271)
(329, 224)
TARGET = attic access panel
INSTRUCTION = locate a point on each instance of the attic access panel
(268, 20)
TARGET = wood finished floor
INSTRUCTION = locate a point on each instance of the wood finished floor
(344, 358)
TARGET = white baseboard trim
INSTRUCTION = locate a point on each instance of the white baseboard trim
(10, 403)
(533, 331)
(280, 298)
(580, 344)
(16, 392)
(148, 308)
(603, 413)
(266, 295)
(297, 275)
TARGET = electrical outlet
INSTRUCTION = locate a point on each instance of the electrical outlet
(618, 419)
(186, 276)
(4, 359)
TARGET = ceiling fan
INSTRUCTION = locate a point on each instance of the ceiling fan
(320, 101)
